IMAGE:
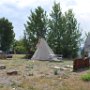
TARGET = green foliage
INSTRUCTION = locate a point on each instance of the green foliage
(35, 28)
(1, 85)
(55, 72)
(19, 46)
(20, 49)
(86, 77)
(30, 68)
(6, 34)
(13, 84)
(64, 34)
(55, 29)
(72, 34)
(61, 31)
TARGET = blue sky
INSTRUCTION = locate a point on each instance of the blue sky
(17, 11)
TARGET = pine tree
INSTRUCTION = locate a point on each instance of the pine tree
(55, 35)
(35, 28)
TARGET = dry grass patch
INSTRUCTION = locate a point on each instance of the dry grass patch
(43, 77)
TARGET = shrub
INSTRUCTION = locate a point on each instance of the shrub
(55, 72)
(86, 77)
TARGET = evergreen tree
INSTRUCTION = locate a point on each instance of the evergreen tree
(55, 34)
(35, 28)
(72, 35)
(64, 34)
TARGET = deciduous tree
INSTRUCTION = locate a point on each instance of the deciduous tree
(6, 34)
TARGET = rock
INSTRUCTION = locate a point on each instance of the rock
(30, 74)
(43, 75)
(13, 88)
(12, 72)
(62, 68)
(68, 66)
(2, 67)
(46, 74)
(56, 67)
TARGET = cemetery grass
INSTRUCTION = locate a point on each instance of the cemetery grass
(40, 75)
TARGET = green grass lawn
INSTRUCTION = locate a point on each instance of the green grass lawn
(40, 75)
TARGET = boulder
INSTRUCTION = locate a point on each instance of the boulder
(12, 72)
(63, 68)
(68, 66)
(2, 67)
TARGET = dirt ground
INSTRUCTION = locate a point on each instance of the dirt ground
(40, 75)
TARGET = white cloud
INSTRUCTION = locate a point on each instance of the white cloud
(18, 10)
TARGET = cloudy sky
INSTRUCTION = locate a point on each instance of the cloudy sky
(17, 11)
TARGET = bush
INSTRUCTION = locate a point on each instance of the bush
(55, 72)
(28, 56)
(86, 77)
